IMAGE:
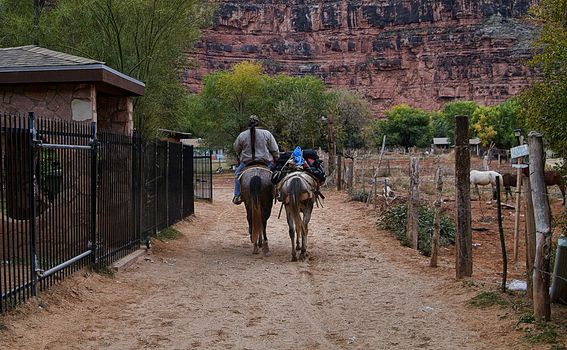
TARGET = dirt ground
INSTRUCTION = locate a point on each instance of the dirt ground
(359, 289)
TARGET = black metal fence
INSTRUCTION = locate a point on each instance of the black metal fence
(203, 174)
(71, 197)
(167, 193)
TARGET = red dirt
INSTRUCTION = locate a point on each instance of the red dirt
(359, 289)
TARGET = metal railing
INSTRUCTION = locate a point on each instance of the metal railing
(71, 197)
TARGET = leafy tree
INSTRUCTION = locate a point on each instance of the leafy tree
(445, 123)
(544, 104)
(405, 126)
(352, 115)
(145, 39)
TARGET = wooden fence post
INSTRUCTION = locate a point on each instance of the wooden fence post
(436, 217)
(542, 306)
(530, 235)
(413, 204)
(339, 172)
(501, 233)
(463, 236)
(517, 211)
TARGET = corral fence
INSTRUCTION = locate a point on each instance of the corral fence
(72, 197)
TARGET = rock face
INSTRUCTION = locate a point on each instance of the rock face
(420, 52)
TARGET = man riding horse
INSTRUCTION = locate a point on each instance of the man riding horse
(253, 146)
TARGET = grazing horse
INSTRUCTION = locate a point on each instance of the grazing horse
(551, 178)
(257, 193)
(484, 178)
(298, 193)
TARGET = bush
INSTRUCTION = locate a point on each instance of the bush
(395, 220)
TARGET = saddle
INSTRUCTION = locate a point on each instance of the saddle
(310, 179)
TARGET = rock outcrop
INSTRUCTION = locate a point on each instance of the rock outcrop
(420, 52)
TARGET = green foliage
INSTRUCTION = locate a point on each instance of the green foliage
(405, 126)
(145, 39)
(487, 299)
(168, 234)
(292, 108)
(543, 334)
(496, 124)
(352, 115)
(446, 120)
(545, 102)
(395, 220)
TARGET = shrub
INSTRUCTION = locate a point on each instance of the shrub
(395, 219)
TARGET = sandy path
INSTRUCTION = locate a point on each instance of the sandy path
(207, 291)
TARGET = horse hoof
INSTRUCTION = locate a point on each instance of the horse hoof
(302, 257)
(266, 250)
(293, 258)
(256, 250)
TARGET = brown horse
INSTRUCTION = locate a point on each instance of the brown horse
(298, 193)
(257, 193)
(551, 178)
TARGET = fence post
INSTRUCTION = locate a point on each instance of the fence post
(94, 196)
(542, 306)
(339, 172)
(436, 217)
(413, 204)
(530, 235)
(463, 236)
(33, 251)
(211, 175)
(501, 232)
(156, 193)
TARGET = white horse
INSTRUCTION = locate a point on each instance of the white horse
(484, 178)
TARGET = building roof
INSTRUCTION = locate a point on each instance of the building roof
(441, 141)
(33, 64)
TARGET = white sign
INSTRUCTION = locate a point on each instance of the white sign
(521, 166)
(519, 151)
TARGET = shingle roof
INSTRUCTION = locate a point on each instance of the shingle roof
(35, 56)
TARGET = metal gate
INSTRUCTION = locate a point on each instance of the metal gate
(203, 174)
(71, 197)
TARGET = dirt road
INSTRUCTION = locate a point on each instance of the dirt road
(358, 290)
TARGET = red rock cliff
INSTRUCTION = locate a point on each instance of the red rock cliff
(421, 52)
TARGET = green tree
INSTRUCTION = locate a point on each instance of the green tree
(145, 39)
(445, 123)
(351, 115)
(405, 126)
(544, 104)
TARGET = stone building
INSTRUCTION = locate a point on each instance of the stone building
(58, 85)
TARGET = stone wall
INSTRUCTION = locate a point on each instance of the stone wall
(424, 53)
(115, 113)
(75, 102)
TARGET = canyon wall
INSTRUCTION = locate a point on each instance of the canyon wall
(420, 52)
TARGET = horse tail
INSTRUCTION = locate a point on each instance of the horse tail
(255, 190)
(295, 190)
